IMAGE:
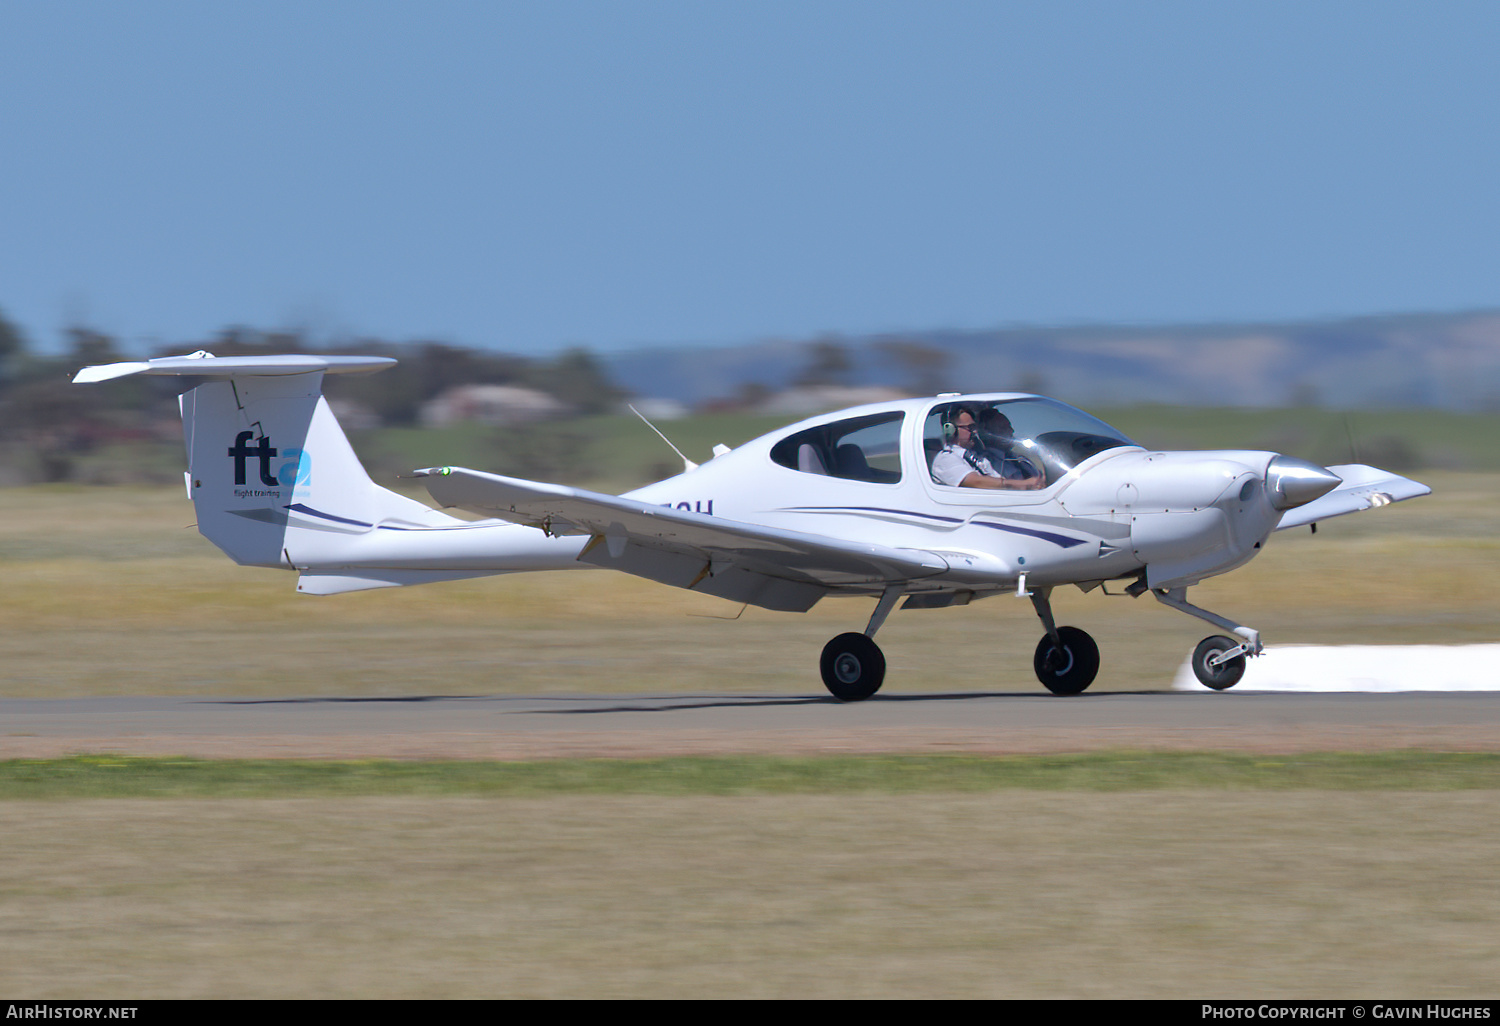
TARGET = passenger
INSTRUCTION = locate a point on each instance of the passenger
(964, 463)
(997, 441)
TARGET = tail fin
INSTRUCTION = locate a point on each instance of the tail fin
(270, 472)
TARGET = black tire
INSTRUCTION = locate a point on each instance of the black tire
(1068, 670)
(1224, 676)
(853, 667)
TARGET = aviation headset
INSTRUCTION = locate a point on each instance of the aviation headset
(950, 430)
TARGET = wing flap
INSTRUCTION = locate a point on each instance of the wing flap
(740, 561)
(709, 573)
(1363, 488)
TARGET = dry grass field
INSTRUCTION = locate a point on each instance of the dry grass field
(1187, 893)
(1011, 894)
(111, 591)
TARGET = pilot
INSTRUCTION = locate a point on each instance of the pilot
(965, 462)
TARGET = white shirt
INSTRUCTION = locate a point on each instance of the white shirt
(955, 463)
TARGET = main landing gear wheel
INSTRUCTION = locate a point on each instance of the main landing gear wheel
(1071, 668)
(853, 667)
(1226, 674)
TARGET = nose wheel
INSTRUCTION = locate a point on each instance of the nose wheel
(1218, 662)
(1211, 667)
(853, 667)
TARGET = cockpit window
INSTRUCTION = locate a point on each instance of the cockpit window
(1022, 437)
(860, 449)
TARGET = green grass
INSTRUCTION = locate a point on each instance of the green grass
(105, 776)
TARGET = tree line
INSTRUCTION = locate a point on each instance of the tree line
(54, 431)
(47, 425)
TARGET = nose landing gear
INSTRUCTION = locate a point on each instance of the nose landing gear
(1215, 666)
(1218, 662)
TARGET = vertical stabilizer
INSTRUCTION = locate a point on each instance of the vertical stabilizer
(271, 474)
(247, 439)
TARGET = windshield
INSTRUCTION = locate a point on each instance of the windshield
(1024, 437)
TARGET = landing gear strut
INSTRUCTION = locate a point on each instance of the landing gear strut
(1067, 659)
(1218, 662)
(852, 664)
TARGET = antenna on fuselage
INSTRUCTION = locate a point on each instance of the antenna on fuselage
(1349, 430)
(687, 464)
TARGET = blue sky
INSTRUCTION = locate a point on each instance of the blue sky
(532, 175)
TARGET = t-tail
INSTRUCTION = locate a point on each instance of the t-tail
(276, 483)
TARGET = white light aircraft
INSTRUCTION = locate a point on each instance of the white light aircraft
(846, 503)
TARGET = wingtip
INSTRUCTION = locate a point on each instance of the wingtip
(108, 371)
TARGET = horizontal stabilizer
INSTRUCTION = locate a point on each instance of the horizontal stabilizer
(1363, 488)
(208, 365)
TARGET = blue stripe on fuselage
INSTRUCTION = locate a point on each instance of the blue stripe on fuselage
(1060, 540)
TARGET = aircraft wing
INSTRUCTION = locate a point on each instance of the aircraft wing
(763, 566)
(1363, 488)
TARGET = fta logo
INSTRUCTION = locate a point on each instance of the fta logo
(297, 470)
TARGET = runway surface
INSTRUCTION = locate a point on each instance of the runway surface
(526, 727)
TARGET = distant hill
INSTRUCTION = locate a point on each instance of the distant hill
(1450, 361)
